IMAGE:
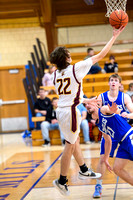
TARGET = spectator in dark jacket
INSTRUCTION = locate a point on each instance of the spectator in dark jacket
(41, 105)
(111, 66)
(51, 123)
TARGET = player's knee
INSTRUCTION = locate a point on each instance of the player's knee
(70, 146)
(116, 169)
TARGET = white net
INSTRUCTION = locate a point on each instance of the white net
(115, 5)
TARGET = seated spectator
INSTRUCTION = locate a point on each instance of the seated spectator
(51, 123)
(46, 80)
(95, 68)
(121, 88)
(130, 90)
(111, 66)
(41, 105)
(84, 123)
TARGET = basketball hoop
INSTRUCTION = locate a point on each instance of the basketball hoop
(115, 5)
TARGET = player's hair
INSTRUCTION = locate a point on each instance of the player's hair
(89, 49)
(59, 57)
(116, 76)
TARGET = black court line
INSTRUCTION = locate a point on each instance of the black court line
(116, 187)
(40, 177)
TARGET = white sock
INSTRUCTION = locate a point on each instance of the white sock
(99, 181)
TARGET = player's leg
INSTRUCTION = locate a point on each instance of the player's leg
(101, 168)
(66, 158)
(78, 153)
(84, 172)
(118, 168)
(124, 153)
(61, 183)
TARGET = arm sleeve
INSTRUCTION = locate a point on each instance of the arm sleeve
(49, 102)
(36, 106)
(82, 68)
(49, 114)
(105, 67)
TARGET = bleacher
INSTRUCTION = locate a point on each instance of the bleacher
(93, 85)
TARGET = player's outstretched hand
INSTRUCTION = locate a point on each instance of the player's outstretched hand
(113, 108)
(116, 32)
(93, 101)
(108, 166)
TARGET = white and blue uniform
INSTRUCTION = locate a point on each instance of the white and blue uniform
(117, 128)
(120, 103)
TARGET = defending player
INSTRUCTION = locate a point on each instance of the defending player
(68, 83)
(124, 102)
(114, 126)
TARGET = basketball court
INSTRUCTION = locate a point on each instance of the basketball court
(27, 172)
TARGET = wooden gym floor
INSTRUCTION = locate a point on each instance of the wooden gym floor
(27, 172)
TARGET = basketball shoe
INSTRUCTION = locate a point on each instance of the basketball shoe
(63, 189)
(88, 174)
(98, 191)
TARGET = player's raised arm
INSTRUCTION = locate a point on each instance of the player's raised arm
(108, 46)
(93, 100)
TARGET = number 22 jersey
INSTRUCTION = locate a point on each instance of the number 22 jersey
(68, 83)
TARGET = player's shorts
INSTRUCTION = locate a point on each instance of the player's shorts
(69, 120)
(114, 146)
(125, 150)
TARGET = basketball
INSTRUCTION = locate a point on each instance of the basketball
(118, 18)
